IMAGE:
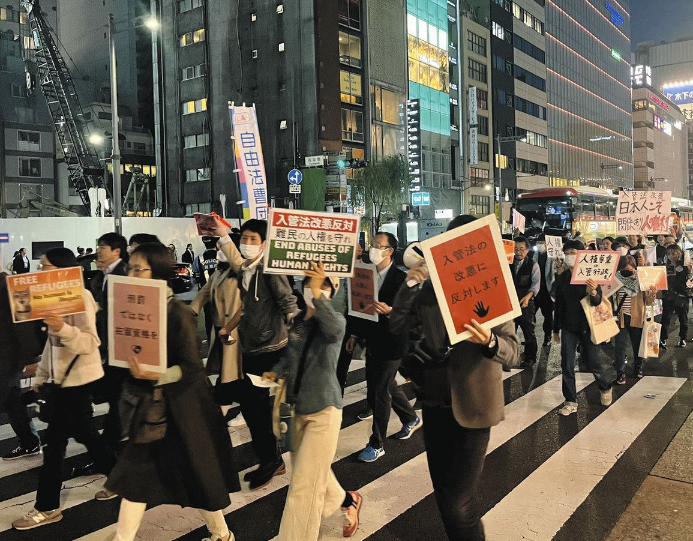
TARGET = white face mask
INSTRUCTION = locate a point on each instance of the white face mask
(308, 296)
(376, 255)
(250, 251)
(570, 260)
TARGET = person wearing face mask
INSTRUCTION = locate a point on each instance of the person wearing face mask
(309, 365)
(676, 297)
(543, 301)
(571, 329)
(527, 281)
(631, 308)
(384, 352)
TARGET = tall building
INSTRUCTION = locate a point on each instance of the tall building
(588, 91)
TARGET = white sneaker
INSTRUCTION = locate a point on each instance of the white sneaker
(607, 397)
(568, 409)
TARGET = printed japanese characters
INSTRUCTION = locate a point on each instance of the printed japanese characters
(645, 213)
(471, 277)
(35, 295)
(296, 238)
(598, 266)
(249, 161)
(138, 317)
(363, 292)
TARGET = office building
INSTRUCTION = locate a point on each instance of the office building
(588, 92)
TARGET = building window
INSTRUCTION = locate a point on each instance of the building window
(283, 124)
(192, 37)
(501, 64)
(28, 140)
(498, 30)
(529, 49)
(504, 98)
(428, 64)
(194, 106)
(475, 43)
(17, 90)
(534, 139)
(30, 167)
(483, 152)
(281, 47)
(530, 108)
(480, 205)
(482, 99)
(193, 72)
(476, 70)
(204, 208)
(104, 115)
(253, 17)
(187, 5)
(350, 13)
(254, 53)
(483, 125)
(350, 88)
(530, 20)
(349, 49)
(530, 167)
(280, 8)
(198, 140)
(387, 105)
(530, 78)
(352, 125)
(198, 175)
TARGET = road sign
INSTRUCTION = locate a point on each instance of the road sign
(315, 161)
(420, 199)
(294, 188)
(4, 238)
(295, 177)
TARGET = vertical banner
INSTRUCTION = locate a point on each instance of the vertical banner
(473, 146)
(414, 144)
(137, 316)
(471, 277)
(363, 292)
(643, 213)
(249, 161)
(35, 295)
(473, 107)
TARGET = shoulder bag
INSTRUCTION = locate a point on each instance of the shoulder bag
(601, 321)
(48, 392)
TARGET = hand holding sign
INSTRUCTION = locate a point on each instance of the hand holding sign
(54, 323)
(478, 334)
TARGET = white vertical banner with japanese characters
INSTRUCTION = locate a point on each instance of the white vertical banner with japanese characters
(249, 161)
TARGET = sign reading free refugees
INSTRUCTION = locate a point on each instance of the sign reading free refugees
(296, 238)
(36, 295)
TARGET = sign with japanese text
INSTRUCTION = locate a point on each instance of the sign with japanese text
(518, 221)
(471, 277)
(554, 247)
(652, 276)
(679, 93)
(363, 292)
(473, 146)
(414, 144)
(641, 212)
(249, 162)
(295, 238)
(35, 295)
(137, 322)
(473, 106)
(597, 266)
(509, 246)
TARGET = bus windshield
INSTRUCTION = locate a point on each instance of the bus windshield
(547, 212)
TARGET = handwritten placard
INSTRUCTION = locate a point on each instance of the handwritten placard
(363, 292)
(554, 247)
(645, 213)
(597, 266)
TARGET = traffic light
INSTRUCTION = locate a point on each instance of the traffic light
(351, 164)
(342, 163)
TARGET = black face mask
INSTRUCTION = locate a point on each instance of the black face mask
(626, 273)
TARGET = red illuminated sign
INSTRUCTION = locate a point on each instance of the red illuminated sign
(658, 101)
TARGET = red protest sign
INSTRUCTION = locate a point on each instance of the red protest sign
(471, 277)
(363, 292)
(597, 266)
(509, 246)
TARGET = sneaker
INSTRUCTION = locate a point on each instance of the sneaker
(351, 515)
(82, 471)
(264, 474)
(663, 345)
(637, 371)
(682, 343)
(408, 429)
(621, 378)
(22, 452)
(105, 495)
(568, 409)
(35, 518)
(368, 414)
(370, 454)
(606, 397)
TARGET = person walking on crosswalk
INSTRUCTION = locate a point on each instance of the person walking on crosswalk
(571, 329)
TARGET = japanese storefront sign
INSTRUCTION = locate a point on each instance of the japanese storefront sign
(249, 161)
(652, 276)
(518, 221)
(35, 295)
(554, 247)
(509, 247)
(137, 322)
(645, 213)
(471, 277)
(363, 292)
(597, 266)
(296, 238)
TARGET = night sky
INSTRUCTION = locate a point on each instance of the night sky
(660, 20)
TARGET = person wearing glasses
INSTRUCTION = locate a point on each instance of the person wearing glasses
(527, 280)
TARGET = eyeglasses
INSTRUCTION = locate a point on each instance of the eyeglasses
(380, 246)
(136, 270)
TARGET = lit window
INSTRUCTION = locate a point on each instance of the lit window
(280, 8)
(254, 53)
(282, 125)
(281, 47)
(29, 167)
(253, 17)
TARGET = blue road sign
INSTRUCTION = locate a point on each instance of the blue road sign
(295, 176)
(4, 238)
(420, 199)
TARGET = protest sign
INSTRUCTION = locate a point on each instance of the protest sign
(471, 277)
(518, 221)
(609, 289)
(509, 247)
(295, 238)
(206, 224)
(554, 247)
(597, 266)
(137, 315)
(363, 292)
(35, 295)
(645, 213)
(652, 276)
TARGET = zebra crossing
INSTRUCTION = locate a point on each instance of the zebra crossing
(544, 476)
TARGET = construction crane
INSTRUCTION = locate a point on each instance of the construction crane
(53, 76)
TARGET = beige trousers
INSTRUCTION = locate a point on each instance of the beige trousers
(314, 491)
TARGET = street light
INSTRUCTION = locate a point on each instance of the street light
(611, 166)
(152, 23)
(499, 141)
(95, 139)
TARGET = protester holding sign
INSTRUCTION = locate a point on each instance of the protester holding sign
(462, 391)
(70, 360)
(527, 281)
(676, 297)
(543, 301)
(179, 450)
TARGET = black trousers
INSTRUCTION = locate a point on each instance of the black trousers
(73, 418)
(383, 394)
(11, 403)
(455, 459)
(680, 308)
(343, 364)
(526, 322)
(256, 406)
(544, 303)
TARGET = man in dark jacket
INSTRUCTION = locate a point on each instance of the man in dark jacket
(676, 297)
(21, 263)
(384, 351)
(570, 328)
(543, 301)
(527, 280)
(188, 256)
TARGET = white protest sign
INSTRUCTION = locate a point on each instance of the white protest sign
(597, 266)
(554, 247)
(518, 221)
(645, 213)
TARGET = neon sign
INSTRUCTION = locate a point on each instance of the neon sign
(658, 101)
(680, 93)
(640, 75)
(616, 17)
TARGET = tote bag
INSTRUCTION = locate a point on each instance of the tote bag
(649, 343)
(600, 318)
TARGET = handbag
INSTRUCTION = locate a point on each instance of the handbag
(48, 392)
(601, 321)
(143, 415)
(649, 343)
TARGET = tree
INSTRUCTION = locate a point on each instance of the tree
(379, 188)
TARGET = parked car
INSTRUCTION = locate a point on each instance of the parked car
(182, 281)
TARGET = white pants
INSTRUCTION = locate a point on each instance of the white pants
(131, 513)
(314, 491)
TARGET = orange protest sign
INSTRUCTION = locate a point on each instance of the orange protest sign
(363, 292)
(137, 317)
(471, 277)
(509, 247)
(653, 276)
(35, 295)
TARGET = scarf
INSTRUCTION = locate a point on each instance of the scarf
(630, 284)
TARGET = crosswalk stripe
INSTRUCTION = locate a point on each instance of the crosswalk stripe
(538, 507)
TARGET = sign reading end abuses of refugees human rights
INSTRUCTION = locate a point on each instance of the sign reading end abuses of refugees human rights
(471, 277)
(297, 238)
(643, 213)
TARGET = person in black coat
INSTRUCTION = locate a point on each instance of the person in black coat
(21, 263)
(384, 352)
(192, 465)
(188, 256)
